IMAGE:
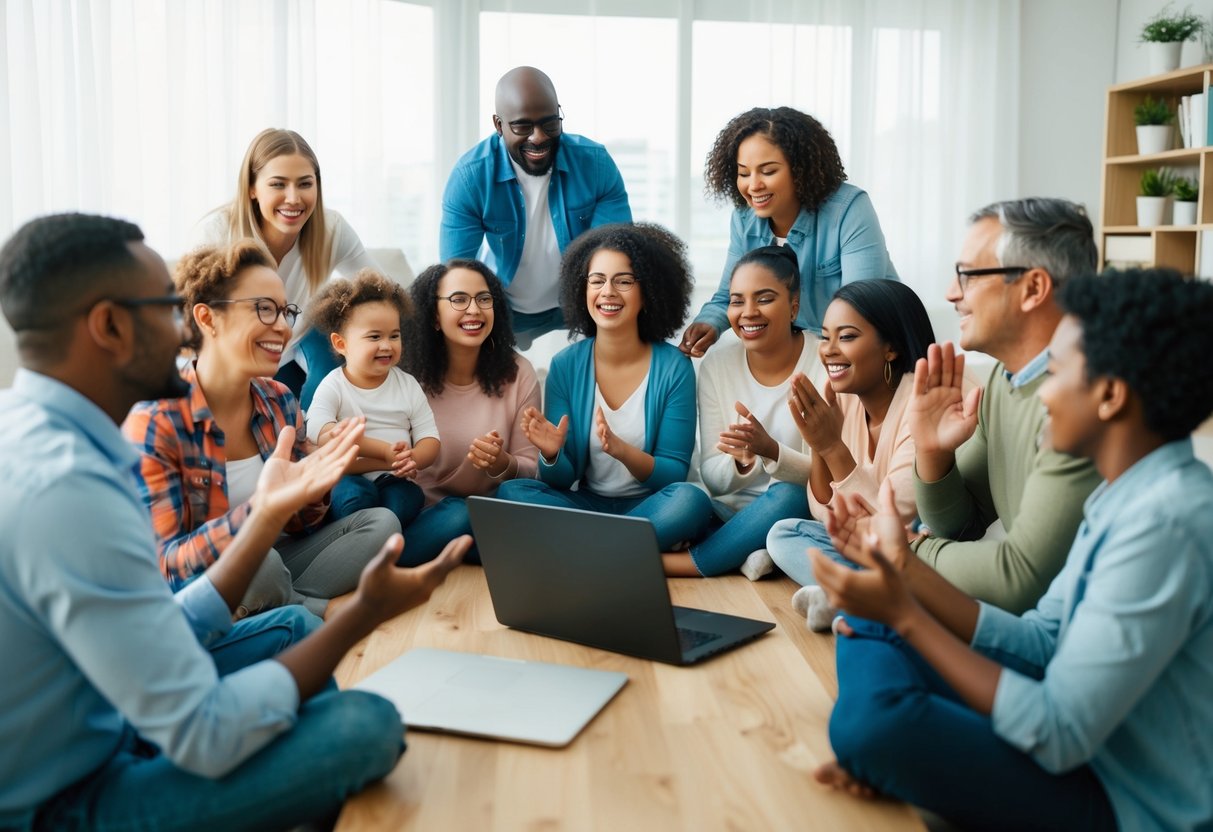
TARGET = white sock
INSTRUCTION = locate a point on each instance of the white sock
(757, 564)
(811, 602)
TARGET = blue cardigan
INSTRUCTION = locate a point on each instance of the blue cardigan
(669, 414)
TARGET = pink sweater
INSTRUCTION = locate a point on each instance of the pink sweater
(893, 459)
(463, 413)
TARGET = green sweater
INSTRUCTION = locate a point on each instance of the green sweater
(1001, 473)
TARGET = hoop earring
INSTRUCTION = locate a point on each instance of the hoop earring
(888, 374)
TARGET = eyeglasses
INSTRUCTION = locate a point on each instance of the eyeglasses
(964, 275)
(268, 309)
(550, 126)
(175, 301)
(620, 282)
(460, 301)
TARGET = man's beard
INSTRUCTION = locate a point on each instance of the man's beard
(538, 168)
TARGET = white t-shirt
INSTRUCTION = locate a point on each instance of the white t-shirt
(347, 258)
(606, 475)
(536, 283)
(395, 410)
(242, 476)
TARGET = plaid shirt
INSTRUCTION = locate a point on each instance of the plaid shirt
(182, 473)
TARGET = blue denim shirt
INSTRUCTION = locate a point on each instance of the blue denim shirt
(1114, 667)
(483, 201)
(93, 640)
(838, 243)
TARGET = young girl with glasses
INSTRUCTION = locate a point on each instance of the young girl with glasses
(203, 453)
(363, 319)
(460, 346)
(619, 409)
(279, 203)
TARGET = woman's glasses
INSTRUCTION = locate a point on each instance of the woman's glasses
(268, 309)
(460, 301)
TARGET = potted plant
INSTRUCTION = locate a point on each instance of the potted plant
(1186, 192)
(1153, 118)
(1156, 188)
(1164, 36)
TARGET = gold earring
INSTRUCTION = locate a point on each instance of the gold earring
(888, 374)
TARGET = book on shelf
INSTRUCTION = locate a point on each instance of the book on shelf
(1183, 119)
(1197, 120)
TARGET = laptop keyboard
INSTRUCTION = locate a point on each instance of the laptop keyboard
(690, 639)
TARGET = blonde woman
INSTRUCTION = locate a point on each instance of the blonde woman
(279, 203)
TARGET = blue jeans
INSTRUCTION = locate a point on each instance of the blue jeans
(261, 637)
(726, 548)
(530, 325)
(788, 543)
(321, 360)
(899, 727)
(677, 513)
(355, 492)
(435, 527)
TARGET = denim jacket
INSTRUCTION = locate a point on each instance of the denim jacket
(483, 201)
(838, 243)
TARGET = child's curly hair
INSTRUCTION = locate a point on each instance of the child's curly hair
(208, 274)
(330, 309)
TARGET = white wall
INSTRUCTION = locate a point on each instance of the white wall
(1131, 61)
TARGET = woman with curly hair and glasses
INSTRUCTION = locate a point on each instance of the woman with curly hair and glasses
(782, 172)
(460, 346)
(619, 409)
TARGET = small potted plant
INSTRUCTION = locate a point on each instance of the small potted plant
(1186, 192)
(1157, 185)
(1153, 118)
(1164, 35)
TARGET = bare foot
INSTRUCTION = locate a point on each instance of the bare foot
(838, 778)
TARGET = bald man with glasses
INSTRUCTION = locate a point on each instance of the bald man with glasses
(517, 199)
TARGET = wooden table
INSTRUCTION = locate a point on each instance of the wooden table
(728, 744)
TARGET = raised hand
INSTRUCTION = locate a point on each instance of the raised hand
(818, 417)
(612, 445)
(487, 453)
(284, 487)
(385, 590)
(941, 416)
(697, 338)
(545, 436)
(747, 439)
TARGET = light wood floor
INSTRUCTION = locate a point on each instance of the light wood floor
(729, 744)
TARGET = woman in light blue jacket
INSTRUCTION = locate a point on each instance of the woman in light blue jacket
(619, 406)
(782, 172)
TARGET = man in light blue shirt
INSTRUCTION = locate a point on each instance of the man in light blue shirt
(113, 714)
(517, 199)
(1093, 710)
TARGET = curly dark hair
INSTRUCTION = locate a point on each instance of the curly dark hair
(208, 274)
(1133, 319)
(812, 155)
(425, 356)
(659, 262)
(897, 313)
(330, 309)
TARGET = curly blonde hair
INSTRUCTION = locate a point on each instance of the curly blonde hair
(330, 309)
(209, 273)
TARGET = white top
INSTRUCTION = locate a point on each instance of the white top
(724, 379)
(395, 410)
(536, 284)
(242, 476)
(606, 475)
(348, 257)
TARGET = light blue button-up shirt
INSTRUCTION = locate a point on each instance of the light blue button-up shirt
(91, 637)
(1114, 667)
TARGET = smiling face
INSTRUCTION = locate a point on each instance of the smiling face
(764, 178)
(610, 308)
(152, 373)
(988, 306)
(285, 192)
(369, 341)
(469, 327)
(536, 151)
(851, 350)
(761, 309)
(1070, 399)
(242, 342)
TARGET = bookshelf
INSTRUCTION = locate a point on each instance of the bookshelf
(1121, 239)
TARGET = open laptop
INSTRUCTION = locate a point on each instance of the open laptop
(595, 579)
(487, 696)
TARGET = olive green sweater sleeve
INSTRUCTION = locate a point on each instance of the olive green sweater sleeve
(1002, 473)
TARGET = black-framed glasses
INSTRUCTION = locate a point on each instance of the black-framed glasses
(963, 275)
(620, 282)
(268, 309)
(175, 301)
(460, 301)
(551, 126)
